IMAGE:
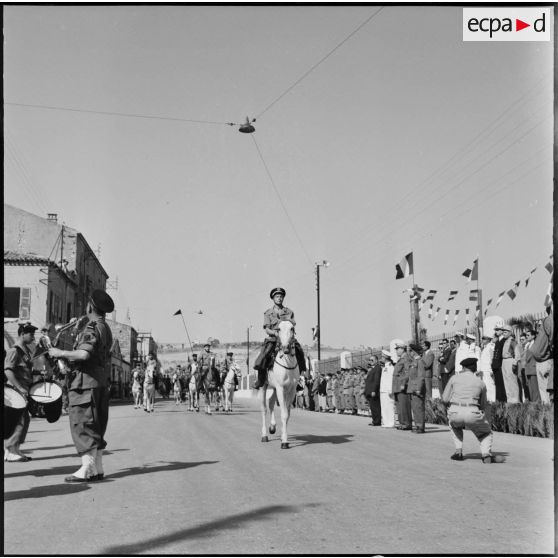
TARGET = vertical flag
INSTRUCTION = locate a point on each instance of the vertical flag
(452, 295)
(473, 295)
(472, 274)
(446, 317)
(455, 317)
(405, 267)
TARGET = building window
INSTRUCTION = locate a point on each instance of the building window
(17, 303)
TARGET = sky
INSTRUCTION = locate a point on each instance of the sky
(404, 138)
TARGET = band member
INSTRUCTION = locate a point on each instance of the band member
(88, 391)
(272, 319)
(18, 368)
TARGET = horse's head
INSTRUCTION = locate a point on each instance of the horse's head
(285, 336)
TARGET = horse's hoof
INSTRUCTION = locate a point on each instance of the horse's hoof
(284, 445)
(265, 439)
(272, 429)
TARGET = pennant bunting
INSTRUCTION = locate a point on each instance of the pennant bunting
(485, 312)
(477, 310)
(549, 267)
(430, 311)
(436, 313)
(548, 297)
(472, 274)
(530, 274)
(405, 267)
(512, 293)
(431, 295)
(488, 303)
(474, 295)
(452, 295)
(446, 317)
(455, 317)
(178, 312)
(500, 297)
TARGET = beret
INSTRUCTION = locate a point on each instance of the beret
(102, 301)
(416, 348)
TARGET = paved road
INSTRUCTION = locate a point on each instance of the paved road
(182, 483)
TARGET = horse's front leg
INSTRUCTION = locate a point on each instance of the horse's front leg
(272, 401)
(285, 404)
(263, 407)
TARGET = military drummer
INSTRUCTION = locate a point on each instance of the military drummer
(466, 395)
(88, 391)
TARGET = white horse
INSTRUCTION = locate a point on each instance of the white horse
(193, 403)
(229, 385)
(282, 379)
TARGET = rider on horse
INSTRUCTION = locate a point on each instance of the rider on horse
(206, 361)
(272, 318)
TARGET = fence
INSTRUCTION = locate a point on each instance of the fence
(360, 358)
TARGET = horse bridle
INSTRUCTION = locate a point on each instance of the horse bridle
(282, 365)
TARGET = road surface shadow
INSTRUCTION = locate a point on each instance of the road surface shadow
(44, 491)
(167, 466)
(64, 455)
(306, 439)
(47, 448)
(499, 455)
(206, 530)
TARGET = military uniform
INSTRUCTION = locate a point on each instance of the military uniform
(466, 395)
(337, 393)
(18, 360)
(88, 389)
(329, 393)
(348, 391)
(417, 390)
(400, 379)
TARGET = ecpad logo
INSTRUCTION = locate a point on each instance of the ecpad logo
(507, 24)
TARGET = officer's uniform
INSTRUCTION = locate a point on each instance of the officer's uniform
(18, 360)
(466, 395)
(400, 379)
(207, 363)
(338, 398)
(417, 390)
(348, 391)
(329, 393)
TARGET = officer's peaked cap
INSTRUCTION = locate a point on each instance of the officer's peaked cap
(102, 301)
(27, 327)
(469, 363)
(277, 290)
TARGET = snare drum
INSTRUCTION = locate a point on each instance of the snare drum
(14, 407)
(48, 394)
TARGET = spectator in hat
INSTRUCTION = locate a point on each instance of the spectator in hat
(372, 390)
(88, 392)
(543, 352)
(485, 367)
(466, 396)
(510, 358)
(18, 370)
(497, 364)
(531, 367)
(322, 393)
(400, 380)
(272, 318)
(428, 362)
(467, 349)
(387, 402)
(416, 386)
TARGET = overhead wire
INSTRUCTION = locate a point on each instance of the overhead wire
(122, 114)
(281, 200)
(323, 59)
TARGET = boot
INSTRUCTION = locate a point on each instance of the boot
(99, 465)
(260, 381)
(300, 359)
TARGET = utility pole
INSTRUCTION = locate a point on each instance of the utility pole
(324, 263)
(248, 357)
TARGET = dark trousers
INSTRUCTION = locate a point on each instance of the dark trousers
(524, 392)
(417, 405)
(428, 383)
(403, 409)
(499, 383)
(375, 410)
(444, 379)
(534, 388)
(88, 413)
(20, 431)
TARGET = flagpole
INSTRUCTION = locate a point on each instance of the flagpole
(182, 316)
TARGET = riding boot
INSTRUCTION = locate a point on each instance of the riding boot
(99, 463)
(262, 376)
(300, 358)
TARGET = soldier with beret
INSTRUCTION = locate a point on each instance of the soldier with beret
(465, 394)
(272, 318)
(416, 386)
(88, 387)
(18, 369)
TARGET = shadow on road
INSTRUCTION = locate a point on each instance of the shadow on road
(44, 491)
(65, 470)
(47, 448)
(499, 455)
(306, 439)
(168, 466)
(148, 546)
(64, 455)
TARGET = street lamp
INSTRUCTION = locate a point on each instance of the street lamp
(324, 263)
